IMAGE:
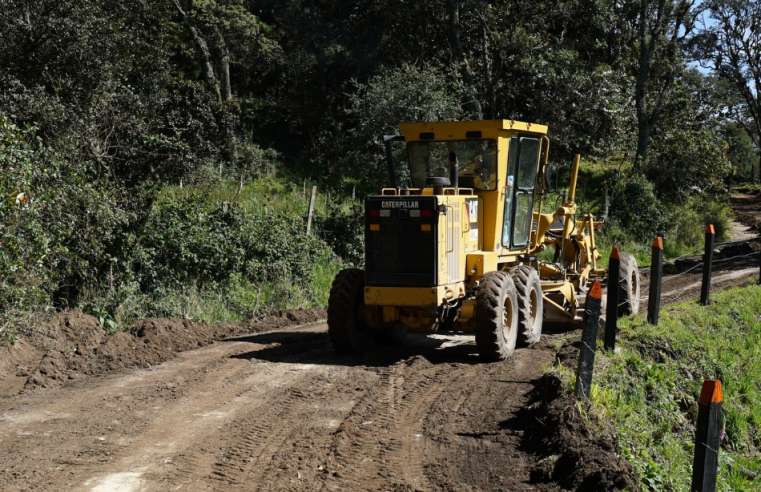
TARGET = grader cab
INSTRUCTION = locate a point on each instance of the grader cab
(457, 240)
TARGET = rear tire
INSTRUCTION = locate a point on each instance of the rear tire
(496, 317)
(530, 304)
(347, 334)
(628, 285)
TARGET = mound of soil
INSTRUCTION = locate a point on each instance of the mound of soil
(573, 454)
(722, 252)
(73, 344)
(16, 362)
(747, 206)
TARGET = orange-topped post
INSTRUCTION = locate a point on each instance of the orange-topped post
(611, 311)
(705, 290)
(707, 437)
(589, 341)
(656, 277)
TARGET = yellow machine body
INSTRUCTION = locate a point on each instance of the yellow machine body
(469, 226)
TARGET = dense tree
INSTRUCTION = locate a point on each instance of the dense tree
(663, 28)
(131, 96)
(731, 47)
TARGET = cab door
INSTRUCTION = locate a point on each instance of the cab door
(522, 166)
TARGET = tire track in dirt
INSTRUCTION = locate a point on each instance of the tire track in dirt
(168, 450)
(250, 455)
(381, 443)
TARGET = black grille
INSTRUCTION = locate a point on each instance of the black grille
(400, 253)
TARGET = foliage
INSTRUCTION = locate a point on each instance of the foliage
(688, 162)
(105, 318)
(648, 391)
(190, 242)
(399, 95)
(57, 224)
(344, 233)
(635, 207)
(741, 154)
(730, 45)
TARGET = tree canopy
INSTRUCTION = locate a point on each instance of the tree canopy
(127, 96)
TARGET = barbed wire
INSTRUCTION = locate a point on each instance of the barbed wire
(738, 256)
(702, 248)
(698, 284)
(672, 277)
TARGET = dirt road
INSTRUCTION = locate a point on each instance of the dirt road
(280, 411)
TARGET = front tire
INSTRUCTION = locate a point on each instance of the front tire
(628, 285)
(530, 304)
(496, 317)
(347, 333)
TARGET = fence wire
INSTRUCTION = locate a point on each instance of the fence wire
(702, 250)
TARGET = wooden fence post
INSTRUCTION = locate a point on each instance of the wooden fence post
(656, 279)
(705, 291)
(589, 341)
(311, 209)
(611, 312)
(707, 438)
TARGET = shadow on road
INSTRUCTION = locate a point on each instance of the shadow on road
(306, 347)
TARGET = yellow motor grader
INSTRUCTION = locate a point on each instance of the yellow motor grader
(456, 244)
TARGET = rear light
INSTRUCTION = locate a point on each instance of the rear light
(374, 213)
(425, 213)
(375, 227)
(414, 213)
(385, 213)
(425, 227)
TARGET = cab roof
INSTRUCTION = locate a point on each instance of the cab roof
(462, 130)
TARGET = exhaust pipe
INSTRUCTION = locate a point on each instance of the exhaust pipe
(454, 172)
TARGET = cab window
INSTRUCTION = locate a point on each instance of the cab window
(523, 160)
(477, 161)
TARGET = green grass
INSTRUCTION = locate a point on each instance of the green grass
(264, 196)
(238, 299)
(648, 391)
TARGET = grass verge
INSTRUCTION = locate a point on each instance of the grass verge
(647, 392)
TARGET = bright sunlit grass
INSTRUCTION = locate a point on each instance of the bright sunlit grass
(648, 390)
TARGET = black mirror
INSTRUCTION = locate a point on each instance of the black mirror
(357, 209)
(442, 209)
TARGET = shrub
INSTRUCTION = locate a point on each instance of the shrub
(189, 241)
(635, 208)
(58, 222)
(344, 233)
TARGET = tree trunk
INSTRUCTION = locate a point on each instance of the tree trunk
(640, 91)
(184, 8)
(222, 88)
(223, 55)
(489, 76)
(462, 60)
